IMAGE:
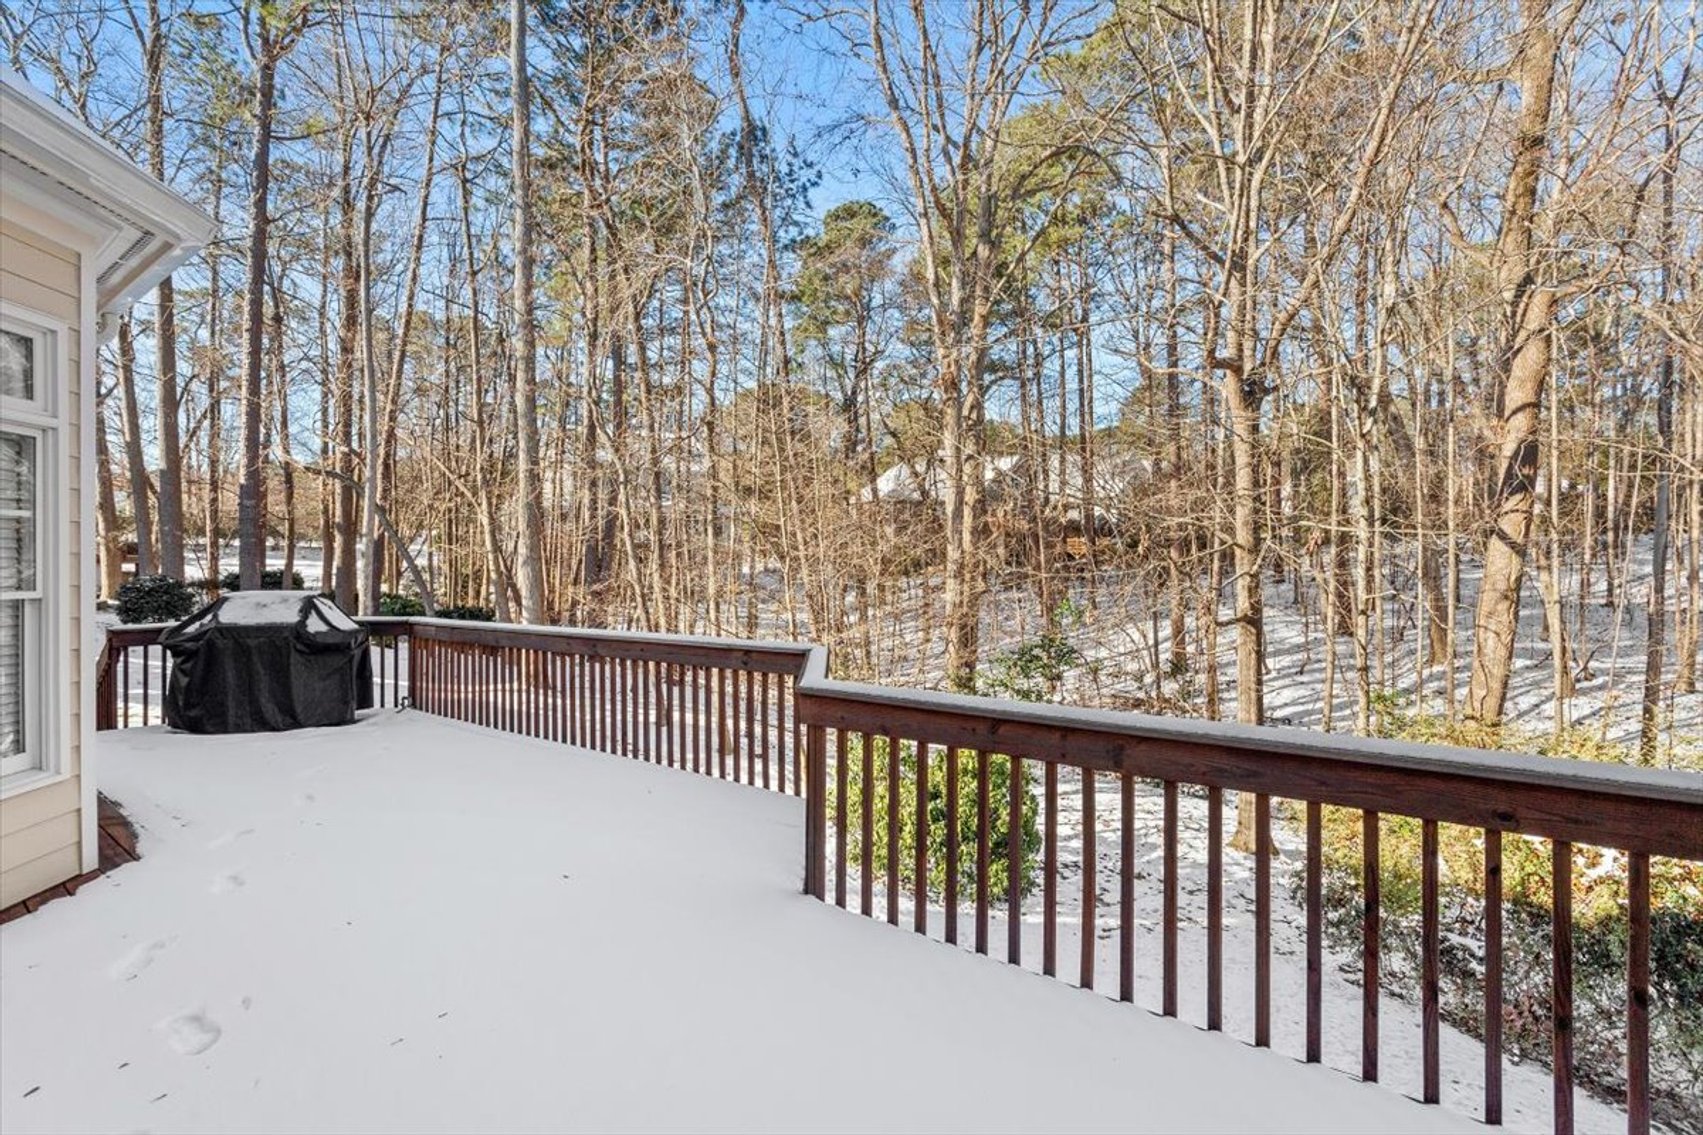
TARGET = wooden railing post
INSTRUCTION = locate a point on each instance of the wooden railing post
(106, 690)
(415, 691)
(816, 812)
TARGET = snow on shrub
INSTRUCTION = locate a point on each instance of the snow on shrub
(155, 599)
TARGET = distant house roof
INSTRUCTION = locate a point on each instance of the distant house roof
(50, 160)
(1005, 476)
(912, 482)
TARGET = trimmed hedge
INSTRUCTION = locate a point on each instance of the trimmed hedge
(272, 579)
(400, 606)
(156, 599)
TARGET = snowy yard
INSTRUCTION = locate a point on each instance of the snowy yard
(410, 924)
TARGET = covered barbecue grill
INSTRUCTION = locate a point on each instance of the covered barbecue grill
(255, 661)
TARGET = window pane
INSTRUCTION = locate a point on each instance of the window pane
(17, 496)
(11, 677)
(17, 554)
(17, 365)
(17, 472)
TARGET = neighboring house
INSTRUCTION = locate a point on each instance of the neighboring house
(1008, 477)
(83, 232)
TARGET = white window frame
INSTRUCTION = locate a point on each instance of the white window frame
(47, 657)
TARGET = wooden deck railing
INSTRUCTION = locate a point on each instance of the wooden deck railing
(766, 714)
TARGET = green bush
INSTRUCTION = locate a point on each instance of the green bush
(156, 599)
(999, 817)
(272, 579)
(1034, 670)
(468, 612)
(400, 606)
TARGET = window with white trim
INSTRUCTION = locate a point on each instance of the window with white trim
(28, 434)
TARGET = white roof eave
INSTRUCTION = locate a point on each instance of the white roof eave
(150, 228)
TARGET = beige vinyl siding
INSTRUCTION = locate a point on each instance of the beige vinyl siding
(41, 829)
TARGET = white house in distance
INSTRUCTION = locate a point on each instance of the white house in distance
(83, 232)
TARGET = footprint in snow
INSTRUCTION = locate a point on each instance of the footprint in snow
(228, 838)
(190, 1034)
(228, 881)
(131, 965)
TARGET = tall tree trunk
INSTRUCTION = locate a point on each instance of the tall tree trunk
(165, 325)
(251, 526)
(348, 335)
(287, 467)
(529, 559)
(111, 542)
(1655, 639)
(1528, 303)
(212, 518)
(141, 505)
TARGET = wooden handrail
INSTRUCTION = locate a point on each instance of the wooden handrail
(1658, 811)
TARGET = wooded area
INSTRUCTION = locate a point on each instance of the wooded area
(1026, 346)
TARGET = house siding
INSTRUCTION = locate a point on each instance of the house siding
(41, 828)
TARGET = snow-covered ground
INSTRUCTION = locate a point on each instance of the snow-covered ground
(1119, 636)
(409, 924)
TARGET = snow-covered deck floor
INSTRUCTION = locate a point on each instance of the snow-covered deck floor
(415, 925)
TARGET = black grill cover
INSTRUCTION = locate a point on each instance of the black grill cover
(255, 661)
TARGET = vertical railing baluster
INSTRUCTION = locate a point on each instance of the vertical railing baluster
(658, 712)
(1089, 919)
(1430, 933)
(379, 650)
(695, 676)
(1014, 864)
(841, 778)
(721, 730)
(1214, 908)
(919, 916)
(1370, 918)
(1168, 911)
(623, 674)
(147, 668)
(953, 756)
(1561, 984)
(736, 682)
(1049, 870)
(816, 814)
(1492, 976)
(763, 714)
(893, 777)
(983, 852)
(1126, 887)
(1315, 932)
(1262, 920)
(789, 713)
(676, 716)
(706, 724)
(1638, 994)
(126, 665)
(867, 870)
